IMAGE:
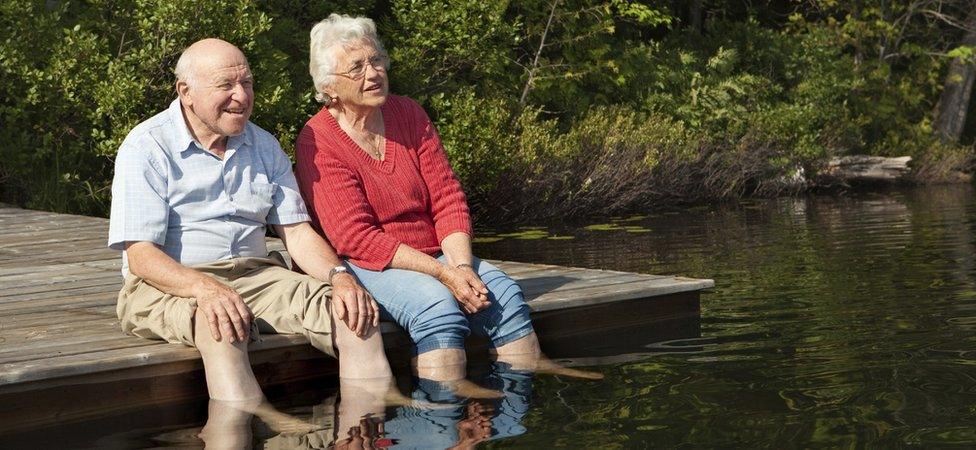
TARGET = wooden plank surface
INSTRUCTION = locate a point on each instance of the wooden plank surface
(58, 284)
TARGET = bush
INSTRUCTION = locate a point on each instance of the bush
(77, 77)
(627, 109)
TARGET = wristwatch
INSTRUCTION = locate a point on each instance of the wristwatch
(337, 270)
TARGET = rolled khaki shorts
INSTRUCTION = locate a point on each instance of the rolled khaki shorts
(282, 301)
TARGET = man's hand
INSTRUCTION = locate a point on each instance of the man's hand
(224, 309)
(353, 304)
(467, 287)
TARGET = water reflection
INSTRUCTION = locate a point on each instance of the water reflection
(463, 423)
(438, 419)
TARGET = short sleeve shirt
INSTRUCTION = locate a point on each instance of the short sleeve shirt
(197, 207)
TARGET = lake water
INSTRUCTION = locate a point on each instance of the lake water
(835, 322)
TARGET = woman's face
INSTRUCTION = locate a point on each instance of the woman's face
(360, 78)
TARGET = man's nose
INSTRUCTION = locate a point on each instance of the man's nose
(241, 92)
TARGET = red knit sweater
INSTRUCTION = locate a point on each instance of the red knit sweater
(366, 207)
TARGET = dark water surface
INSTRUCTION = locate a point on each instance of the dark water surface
(835, 322)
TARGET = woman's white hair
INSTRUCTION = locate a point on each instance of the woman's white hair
(336, 31)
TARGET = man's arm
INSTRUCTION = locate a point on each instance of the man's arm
(316, 257)
(226, 312)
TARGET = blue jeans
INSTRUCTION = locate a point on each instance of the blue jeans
(430, 313)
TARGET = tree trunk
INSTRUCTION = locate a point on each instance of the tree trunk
(950, 112)
(530, 78)
(695, 15)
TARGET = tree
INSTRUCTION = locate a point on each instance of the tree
(950, 112)
(570, 52)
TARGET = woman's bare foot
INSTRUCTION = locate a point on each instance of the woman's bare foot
(539, 363)
(468, 389)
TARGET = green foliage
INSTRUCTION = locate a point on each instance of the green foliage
(474, 131)
(585, 106)
(439, 47)
(571, 54)
(76, 78)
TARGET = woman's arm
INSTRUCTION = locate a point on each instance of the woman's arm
(449, 211)
(352, 303)
(463, 283)
(457, 247)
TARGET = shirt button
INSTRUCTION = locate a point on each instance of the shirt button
(230, 197)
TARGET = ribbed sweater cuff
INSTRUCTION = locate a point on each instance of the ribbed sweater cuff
(445, 229)
(378, 254)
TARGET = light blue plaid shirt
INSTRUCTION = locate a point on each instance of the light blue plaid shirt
(195, 206)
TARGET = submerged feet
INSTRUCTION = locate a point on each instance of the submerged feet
(525, 354)
(468, 389)
(229, 422)
(539, 363)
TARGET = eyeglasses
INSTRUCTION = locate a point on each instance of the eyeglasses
(358, 70)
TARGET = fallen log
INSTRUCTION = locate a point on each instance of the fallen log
(865, 169)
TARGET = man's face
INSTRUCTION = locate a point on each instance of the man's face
(222, 95)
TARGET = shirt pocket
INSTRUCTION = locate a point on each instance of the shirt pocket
(258, 200)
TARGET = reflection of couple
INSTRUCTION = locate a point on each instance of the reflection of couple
(196, 186)
(453, 423)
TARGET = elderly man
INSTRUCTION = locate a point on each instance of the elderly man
(195, 187)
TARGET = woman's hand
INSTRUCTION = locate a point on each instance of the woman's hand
(353, 304)
(467, 287)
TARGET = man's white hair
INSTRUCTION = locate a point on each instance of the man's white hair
(336, 31)
(184, 70)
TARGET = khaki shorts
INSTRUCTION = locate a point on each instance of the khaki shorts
(282, 301)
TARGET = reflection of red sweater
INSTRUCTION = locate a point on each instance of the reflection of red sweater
(366, 207)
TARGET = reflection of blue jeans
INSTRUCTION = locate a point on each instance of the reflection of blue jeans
(437, 428)
(430, 313)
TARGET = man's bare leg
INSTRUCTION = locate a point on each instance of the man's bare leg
(228, 426)
(234, 392)
(366, 383)
(525, 354)
(226, 364)
(448, 365)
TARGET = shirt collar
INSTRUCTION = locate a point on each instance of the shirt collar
(185, 140)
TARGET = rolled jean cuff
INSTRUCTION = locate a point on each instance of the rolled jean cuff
(520, 333)
(438, 343)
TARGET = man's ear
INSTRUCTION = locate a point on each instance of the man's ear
(183, 90)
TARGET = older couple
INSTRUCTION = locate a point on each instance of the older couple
(196, 186)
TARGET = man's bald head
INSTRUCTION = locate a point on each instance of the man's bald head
(203, 55)
(216, 90)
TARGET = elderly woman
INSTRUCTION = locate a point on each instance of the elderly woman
(375, 175)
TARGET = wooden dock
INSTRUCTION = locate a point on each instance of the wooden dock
(63, 357)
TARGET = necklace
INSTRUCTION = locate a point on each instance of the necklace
(369, 141)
